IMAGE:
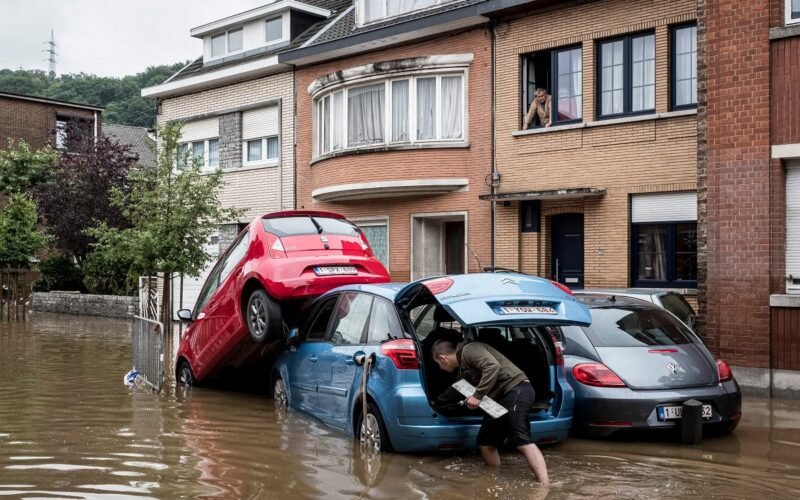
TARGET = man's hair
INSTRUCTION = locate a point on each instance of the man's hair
(540, 90)
(443, 346)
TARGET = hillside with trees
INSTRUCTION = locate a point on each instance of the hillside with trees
(120, 96)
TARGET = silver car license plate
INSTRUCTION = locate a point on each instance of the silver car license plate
(335, 270)
(675, 412)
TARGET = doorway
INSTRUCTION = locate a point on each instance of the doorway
(438, 245)
(567, 249)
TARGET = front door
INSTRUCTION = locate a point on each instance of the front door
(567, 249)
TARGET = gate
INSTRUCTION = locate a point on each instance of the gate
(150, 296)
(148, 352)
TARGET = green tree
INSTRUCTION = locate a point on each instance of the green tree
(173, 208)
(19, 237)
(21, 169)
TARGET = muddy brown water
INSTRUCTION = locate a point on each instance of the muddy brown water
(69, 428)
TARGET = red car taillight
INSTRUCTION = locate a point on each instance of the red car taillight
(597, 375)
(402, 352)
(564, 288)
(724, 370)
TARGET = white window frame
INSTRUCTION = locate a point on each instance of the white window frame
(206, 167)
(284, 26)
(789, 20)
(264, 161)
(387, 130)
(226, 34)
(360, 10)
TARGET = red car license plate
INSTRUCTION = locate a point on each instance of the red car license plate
(335, 270)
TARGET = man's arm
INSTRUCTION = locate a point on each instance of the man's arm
(529, 115)
(478, 357)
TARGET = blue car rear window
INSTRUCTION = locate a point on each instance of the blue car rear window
(635, 327)
(305, 225)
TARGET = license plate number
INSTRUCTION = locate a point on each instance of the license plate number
(527, 310)
(675, 412)
(334, 270)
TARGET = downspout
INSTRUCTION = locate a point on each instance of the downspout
(280, 154)
(495, 176)
(95, 125)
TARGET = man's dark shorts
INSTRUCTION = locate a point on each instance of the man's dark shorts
(514, 425)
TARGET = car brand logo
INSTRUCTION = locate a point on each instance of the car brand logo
(672, 368)
(323, 239)
(508, 281)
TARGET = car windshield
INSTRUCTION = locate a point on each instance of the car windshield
(633, 326)
(305, 225)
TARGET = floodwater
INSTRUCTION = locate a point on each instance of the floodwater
(69, 428)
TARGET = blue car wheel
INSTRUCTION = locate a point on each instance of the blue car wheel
(372, 432)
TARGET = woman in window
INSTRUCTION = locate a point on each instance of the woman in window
(540, 109)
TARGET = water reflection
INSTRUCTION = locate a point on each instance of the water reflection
(69, 428)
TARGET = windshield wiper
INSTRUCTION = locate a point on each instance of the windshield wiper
(316, 224)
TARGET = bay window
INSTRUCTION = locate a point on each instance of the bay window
(399, 111)
(627, 76)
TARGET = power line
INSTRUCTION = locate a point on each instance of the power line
(51, 49)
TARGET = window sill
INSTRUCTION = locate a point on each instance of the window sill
(254, 165)
(603, 123)
(788, 31)
(394, 147)
(785, 300)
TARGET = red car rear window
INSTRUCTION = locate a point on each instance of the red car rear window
(304, 225)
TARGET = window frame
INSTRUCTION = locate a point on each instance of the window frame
(379, 221)
(363, 336)
(267, 41)
(673, 60)
(792, 17)
(227, 51)
(671, 256)
(552, 84)
(360, 11)
(627, 76)
(333, 298)
(207, 167)
(387, 82)
(265, 159)
(535, 206)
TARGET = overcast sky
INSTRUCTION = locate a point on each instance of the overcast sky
(106, 37)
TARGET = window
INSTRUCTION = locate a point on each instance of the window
(684, 67)
(792, 11)
(305, 225)
(665, 254)
(61, 133)
(377, 234)
(73, 134)
(793, 227)
(635, 326)
(397, 111)
(352, 312)
(260, 150)
(383, 323)
(274, 29)
(206, 153)
(376, 10)
(560, 73)
(319, 326)
(226, 43)
(627, 76)
(529, 213)
(236, 253)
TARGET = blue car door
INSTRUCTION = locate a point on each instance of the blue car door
(303, 358)
(337, 373)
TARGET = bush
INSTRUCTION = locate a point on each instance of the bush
(59, 273)
(109, 273)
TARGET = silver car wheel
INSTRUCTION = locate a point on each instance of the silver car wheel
(258, 316)
(371, 433)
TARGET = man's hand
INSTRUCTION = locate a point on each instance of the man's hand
(473, 402)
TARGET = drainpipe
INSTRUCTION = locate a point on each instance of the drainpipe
(495, 176)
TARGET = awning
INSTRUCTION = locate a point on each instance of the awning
(549, 194)
(388, 189)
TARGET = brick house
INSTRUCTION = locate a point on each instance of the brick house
(394, 130)
(749, 179)
(39, 121)
(605, 194)
(237, 105)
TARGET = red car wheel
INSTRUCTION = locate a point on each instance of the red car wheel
(263, 316)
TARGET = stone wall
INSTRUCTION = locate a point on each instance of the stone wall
(110, 306)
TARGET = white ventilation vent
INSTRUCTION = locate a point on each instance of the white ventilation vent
(664, 207)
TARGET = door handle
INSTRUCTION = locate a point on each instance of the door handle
(349, 361)
(313, 359)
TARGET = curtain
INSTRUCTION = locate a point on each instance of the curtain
(426, 108)
(272, 147)
(337, 122)
(395, 7)
(373, 9)
(643, 73)
(199, 151)
(452, 114)
(379, 241)
(213, 152)
(612, 77)
(254, 150)
(326, 124)
(570, 81)
(365, 115)
(400, 111)
(652, 252)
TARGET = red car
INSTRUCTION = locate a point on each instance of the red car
(263, 280)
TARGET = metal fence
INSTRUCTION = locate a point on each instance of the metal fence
(148, 351)
(149, 296)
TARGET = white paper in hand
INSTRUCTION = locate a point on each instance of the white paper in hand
(489, 405)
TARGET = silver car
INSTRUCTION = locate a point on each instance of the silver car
(635, 366)
(670, 300)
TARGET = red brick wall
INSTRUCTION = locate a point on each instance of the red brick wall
(32, 121)
(474, 162)
(737, 181)
(786, 91)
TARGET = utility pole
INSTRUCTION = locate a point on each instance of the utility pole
(51, 50)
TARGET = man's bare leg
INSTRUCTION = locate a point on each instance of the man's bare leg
(535, 462)
(491, 457)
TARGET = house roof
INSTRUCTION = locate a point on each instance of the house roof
(24, 97)
(138, 138)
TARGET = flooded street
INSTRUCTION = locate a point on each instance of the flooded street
(69, 428)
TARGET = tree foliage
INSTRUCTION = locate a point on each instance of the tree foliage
(59, 272)
(172, 208)
(22, 169)
(19, 237)
(77, 195)
(120, 96)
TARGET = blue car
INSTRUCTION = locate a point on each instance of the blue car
(391, 329)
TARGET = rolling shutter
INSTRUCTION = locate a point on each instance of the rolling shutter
(793, 225)
(664, 207)
(260, 123)
(200, 129)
